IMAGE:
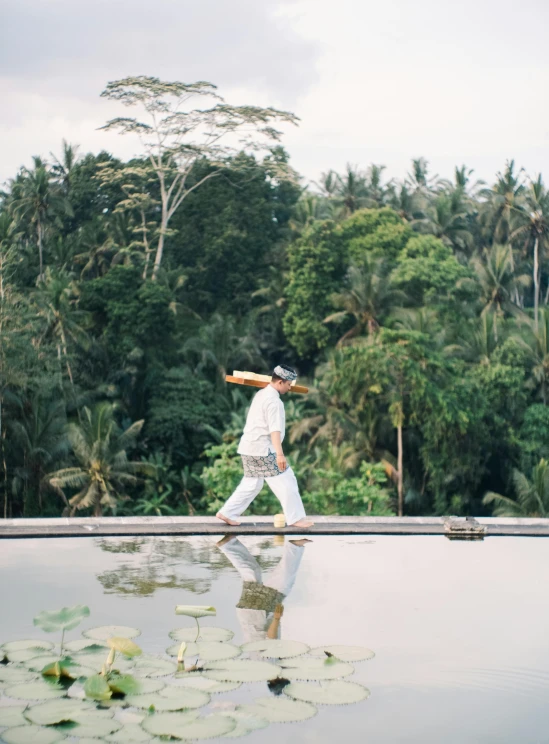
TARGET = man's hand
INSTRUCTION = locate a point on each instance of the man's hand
(281, 462)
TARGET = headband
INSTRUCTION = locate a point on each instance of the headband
(285, 374)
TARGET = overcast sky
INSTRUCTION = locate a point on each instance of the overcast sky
(372, 80)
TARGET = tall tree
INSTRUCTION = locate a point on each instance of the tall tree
(176, 137)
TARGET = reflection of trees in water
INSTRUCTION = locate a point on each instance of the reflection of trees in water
(163, 563)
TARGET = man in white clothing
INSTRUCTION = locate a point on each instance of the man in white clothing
(262, 455)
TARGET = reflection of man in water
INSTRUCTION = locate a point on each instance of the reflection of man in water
(260, 608)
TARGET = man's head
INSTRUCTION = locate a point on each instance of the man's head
(283, 377)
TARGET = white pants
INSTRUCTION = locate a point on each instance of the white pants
(255, 623)
(284, 487)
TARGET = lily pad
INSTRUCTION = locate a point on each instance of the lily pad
(57, 711)
(125, 684)
(14, 675)
(281, 709)
(345, 653)
(12, 715)
(195, 611)
(104, 632)
(131, 732)
(276, 649)
(316, 669)
(34, 734)
(188, 725)
(241, 670)
(25, 655)
(207, 634)
(332, 692)
(85, 646)
(124, 646)
(66, 618)
(246, 722)
(150, 666)
(171, 698)
(198, 682)
(22, 645)
(35, 691)
(90, 725)
(207, 651)
(97, 688)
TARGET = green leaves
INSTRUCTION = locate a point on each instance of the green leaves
(65, 619)
(195, 611)
(124, 646)
(97, 688)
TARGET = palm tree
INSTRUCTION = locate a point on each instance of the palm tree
(498, 284)
(352, 191)
(421, 185)
(534, 227)
(366, 298)
(37, 202)
(502, 202)
(310, 208)
(532, 497)
(328, 184)
(63, 167)
(445, 216)
(477, 341)
(103, 470)
(536, 342)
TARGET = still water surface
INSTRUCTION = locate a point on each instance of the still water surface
(459, 629)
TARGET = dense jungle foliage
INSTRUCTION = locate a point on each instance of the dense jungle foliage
(417, 311)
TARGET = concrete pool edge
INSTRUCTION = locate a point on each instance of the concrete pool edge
(324, 525)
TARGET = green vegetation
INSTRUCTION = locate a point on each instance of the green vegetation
(417, 312)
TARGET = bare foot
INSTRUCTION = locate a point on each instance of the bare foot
(225, 540)
(225, 519)
(300, 543)
(302, 524)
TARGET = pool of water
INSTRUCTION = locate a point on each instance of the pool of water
(459, 629)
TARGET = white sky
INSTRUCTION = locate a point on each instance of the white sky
(372, 80)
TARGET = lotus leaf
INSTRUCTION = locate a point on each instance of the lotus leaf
(12, 715)
(97, 688)
(124, 646)
(332, 692)
(34, 734)
(13, 675)
(246, 722)
(195, 611)
(22, 645)
(276, 649)
(188, 726)
(84, 645)
(281, 709)
(206, 650)
(171, 698)
(35, 691)
(207, 634)
(344, 653)
(66, 618)
(124, 684)
(131, 732)
(91, 725)
(241, 670)
(150, 666)
(315, 669)
(25, 655)
(198, 682)
(104, 632)
(58, 711)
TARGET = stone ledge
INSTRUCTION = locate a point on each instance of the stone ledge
(324, 525)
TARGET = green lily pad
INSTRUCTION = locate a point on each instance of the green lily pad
(207, 634)
(131, 732)
(281, 709)
(345, 653)
(310, 669)
(66, 618)
(150, 666)
(34, 734)
(57, 711)
(12, 715)
(188, 725)
(276, 649)
(246, 722)
(147, 686)
(97, 688)
(198, 682)
(14, 675)
(23, 645)
(124, 646)
(124, 684)
(27, 654)
(241, 670)
(170, 698)
(90, 725)
(35, 691)
(86, 646)
(207, 651)
(104, 632)
(332, 692)
(195, 611)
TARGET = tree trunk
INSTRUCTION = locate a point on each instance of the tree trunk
(40, 251)
(536, 284)
(400, 485)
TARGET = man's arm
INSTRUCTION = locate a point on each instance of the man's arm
(277, 444)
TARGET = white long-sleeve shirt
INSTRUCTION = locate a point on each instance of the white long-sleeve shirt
(266, 415)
